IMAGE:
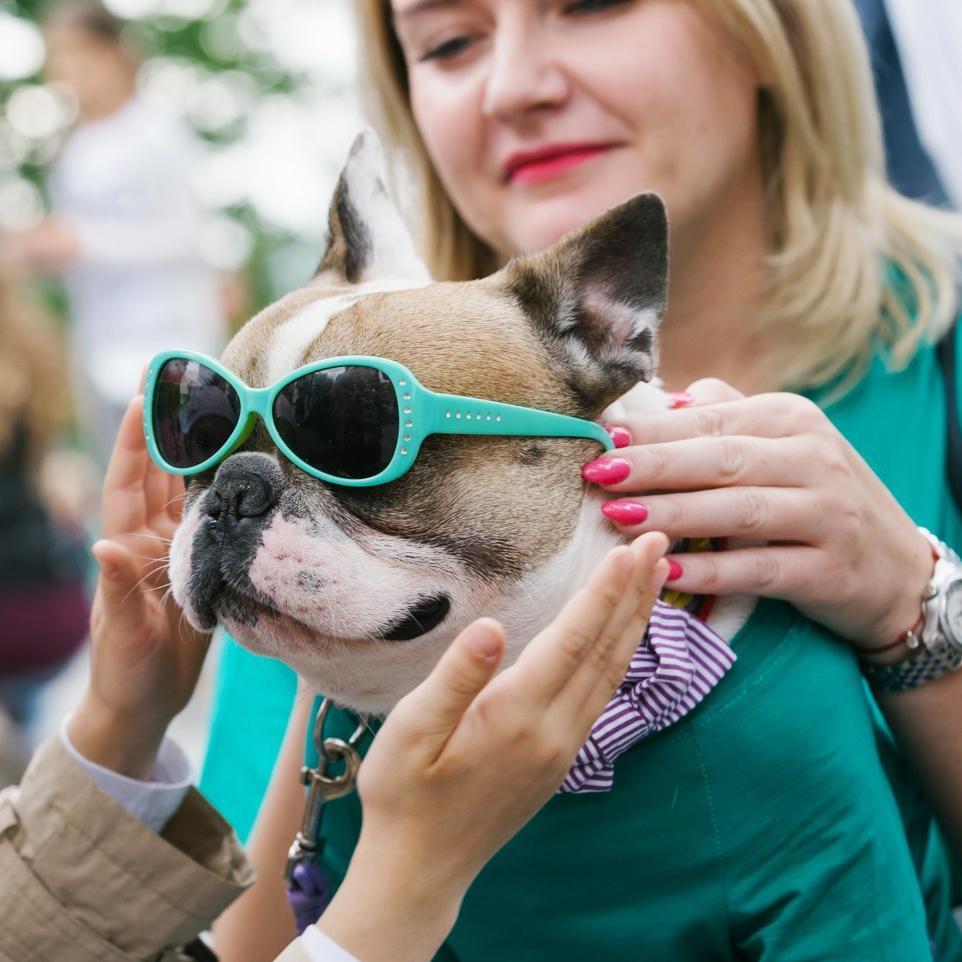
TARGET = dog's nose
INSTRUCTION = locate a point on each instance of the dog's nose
(246, 485)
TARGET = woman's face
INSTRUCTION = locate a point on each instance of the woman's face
(540, 114)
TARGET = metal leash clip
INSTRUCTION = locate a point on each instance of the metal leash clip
(308, 890)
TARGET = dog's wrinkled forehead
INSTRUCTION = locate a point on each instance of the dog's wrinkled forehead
(469, 339)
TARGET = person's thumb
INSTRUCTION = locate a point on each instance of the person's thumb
(466, 667)
(120, 574)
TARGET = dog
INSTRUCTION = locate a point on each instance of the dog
(361, 589)
(331, 577)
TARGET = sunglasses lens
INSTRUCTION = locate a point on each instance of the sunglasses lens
(342, 421)
(195, 411)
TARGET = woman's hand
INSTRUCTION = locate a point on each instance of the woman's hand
(145, 656)
(467, 758)
(771, 468)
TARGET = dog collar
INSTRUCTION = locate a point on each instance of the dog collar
(676, 666)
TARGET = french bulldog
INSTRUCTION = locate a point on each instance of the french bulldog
(361, 589)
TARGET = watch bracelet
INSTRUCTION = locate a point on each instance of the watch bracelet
(907, 674)
(931, 659)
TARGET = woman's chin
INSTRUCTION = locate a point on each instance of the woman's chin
(538, 225)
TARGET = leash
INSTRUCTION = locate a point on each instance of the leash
(308, 888)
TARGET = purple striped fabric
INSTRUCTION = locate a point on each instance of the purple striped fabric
(679, 661)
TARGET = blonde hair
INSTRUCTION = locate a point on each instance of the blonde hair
(852, 262)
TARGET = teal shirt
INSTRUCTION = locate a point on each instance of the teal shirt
(776, 821)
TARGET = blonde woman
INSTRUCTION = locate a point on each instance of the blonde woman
(794, 267)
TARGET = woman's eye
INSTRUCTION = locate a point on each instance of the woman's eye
(593, 6)
(447, 50)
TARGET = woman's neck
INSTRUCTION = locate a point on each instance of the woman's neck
(718, 275)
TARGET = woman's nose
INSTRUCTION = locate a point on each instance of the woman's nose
(523, 75)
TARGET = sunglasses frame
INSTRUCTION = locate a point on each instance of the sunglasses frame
(421, 413)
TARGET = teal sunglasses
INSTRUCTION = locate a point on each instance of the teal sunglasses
(353, 421)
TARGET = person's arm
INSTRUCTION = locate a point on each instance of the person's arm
(280, 816)
(927, 722)
(83, 880)
(433, 813)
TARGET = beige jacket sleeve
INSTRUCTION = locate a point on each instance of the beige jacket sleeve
(81, 880)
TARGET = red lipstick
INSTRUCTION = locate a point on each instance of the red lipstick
(552, 160)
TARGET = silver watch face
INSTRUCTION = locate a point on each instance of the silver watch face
(951, 619)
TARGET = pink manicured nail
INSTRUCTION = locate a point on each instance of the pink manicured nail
(675, 570)
(606, 470)
(679, 399)
(619, 435)
(625, 512)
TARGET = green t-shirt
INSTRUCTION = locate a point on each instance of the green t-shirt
(762, 826)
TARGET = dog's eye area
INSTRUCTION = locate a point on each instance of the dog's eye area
(426, 614)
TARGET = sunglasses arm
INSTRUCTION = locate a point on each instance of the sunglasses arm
(463, 415)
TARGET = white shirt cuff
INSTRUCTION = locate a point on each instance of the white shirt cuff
(153, 802)
(320, 948)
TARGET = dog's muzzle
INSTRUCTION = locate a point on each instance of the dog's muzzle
(233, 514)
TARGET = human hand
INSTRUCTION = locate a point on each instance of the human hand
(772, 468)
(467, 758)
(145, 656)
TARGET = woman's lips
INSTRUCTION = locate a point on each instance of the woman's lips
(537, 169)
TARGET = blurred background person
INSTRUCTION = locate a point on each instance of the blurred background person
(125, 230)
(43, 603)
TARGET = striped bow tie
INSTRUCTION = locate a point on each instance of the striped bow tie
(679, 661)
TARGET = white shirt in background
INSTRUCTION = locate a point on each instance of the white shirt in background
(141, 284)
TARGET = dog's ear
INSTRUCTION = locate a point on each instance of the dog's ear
(596, 299)
(368, 239)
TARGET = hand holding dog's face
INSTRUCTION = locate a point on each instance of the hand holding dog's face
(362, 589)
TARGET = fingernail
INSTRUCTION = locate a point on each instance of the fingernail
(625, 512)
(620, 436)
(606, 471)
(675, 570)
(679, 399)
(485, 643)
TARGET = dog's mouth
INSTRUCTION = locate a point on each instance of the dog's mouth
(425, 615)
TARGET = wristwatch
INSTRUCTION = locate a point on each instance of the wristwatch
(934, 647)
